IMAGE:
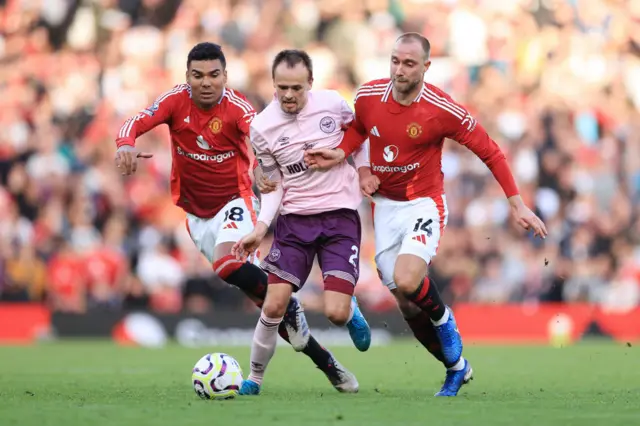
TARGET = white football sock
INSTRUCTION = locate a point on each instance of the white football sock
(263, 346)
(442, 320)
(352, 309)
(459, 365)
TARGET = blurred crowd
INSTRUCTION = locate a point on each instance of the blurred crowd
(555, 82)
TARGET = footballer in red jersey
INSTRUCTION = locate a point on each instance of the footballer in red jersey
(209, 128)
(406, 121)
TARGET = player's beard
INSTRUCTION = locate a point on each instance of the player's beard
(407, 86)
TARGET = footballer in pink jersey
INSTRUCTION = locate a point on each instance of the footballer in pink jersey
(318, 210)
(209, 128)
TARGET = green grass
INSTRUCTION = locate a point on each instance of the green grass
(95, 384)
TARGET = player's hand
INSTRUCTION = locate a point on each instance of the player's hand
(323, 158)
(264, 184)
(526, 218)
(250, 242)
(369, 183)
(127, 159)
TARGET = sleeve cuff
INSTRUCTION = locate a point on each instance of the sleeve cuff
(125, 141)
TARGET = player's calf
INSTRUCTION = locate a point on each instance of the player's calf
(410, 277)
(427, 298)
(265, 336)
(246, 276)
(420, 324)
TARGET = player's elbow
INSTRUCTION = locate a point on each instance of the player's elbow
(494, 158)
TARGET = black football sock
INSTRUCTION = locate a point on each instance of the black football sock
(321, 357)
(250, 279)
(423, 330)
(427, 298)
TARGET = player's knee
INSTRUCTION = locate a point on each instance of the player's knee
(338, 315)
(337, 299)
(277, 300)
(406, 280)
(275, 308)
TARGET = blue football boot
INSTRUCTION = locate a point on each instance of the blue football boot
(359, 329)
(450, 339)
(455, 379)
(249, 387)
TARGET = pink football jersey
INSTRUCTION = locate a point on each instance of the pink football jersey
(280, 139)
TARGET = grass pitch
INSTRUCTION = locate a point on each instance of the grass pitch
(98, 383)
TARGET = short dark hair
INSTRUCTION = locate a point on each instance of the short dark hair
(292, 57)
(426, 46)
(206, 52)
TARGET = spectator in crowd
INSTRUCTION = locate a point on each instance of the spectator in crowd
(555, 83)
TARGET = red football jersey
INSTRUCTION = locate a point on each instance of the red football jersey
(211, 158)
(406, 141)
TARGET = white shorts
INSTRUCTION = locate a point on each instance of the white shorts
(234, 221)
(406, 227)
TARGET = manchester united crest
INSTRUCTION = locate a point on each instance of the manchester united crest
(414, 130)
(215, 125)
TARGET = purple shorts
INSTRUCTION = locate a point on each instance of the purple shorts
(334, 236)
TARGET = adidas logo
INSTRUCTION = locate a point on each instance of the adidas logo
(375, 132)
(230, 225)
(187, 120)
(421, 239)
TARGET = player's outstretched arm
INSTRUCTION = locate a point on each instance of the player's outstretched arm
(323, 158)
(127, 159)
(526, 218)
(460, 126)
(158, 113)
(250, 242)
(270, 202)
(354, 137)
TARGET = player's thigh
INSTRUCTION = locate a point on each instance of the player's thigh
(292, 251)
(339, 249)
(203, 234)
(234, 221)
(388, 240)
(424, 220)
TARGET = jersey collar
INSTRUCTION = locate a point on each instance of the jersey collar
(224, 91)
(387, 93)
